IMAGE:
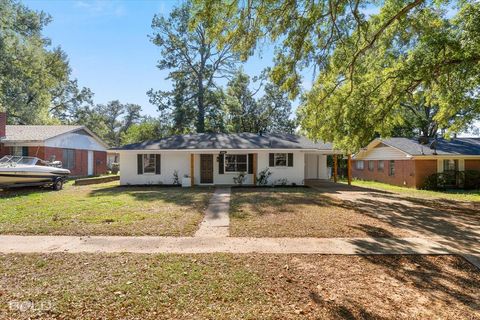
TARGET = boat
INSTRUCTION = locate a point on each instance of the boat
(19, 171)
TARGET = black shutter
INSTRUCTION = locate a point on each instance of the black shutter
(25, 151)
(250, 163)
(221, 168)
(290, 160)
(157, 164)
(271, 159)
(139, 164)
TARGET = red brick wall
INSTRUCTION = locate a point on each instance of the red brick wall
(423, 169)
(81, 158)
(100, 162)
(404, 173)
(4, 150)
(3, 124)
(472, 164)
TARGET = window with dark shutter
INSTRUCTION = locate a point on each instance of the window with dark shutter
(157, 164)
(139, 164)
(250, 163)
(221, 166)
(290, 160)
(271, 159)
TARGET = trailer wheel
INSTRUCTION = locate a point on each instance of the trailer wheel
(57, 185)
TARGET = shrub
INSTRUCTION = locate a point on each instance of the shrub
(240, 179)
(281, 182)
(469, 179)
(115, 168)
(176, 180)
(472, 179)
(262, 179)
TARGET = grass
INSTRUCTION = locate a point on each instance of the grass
(458, 195)
(226, 286)
(103, 209)
(300, 212)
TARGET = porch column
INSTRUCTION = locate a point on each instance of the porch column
(192, 165)
(254, 166)
(335, 168)
(349, 167)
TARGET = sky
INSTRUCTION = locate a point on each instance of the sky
(109, 50)
(108, 46)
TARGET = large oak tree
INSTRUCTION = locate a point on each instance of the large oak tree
(368, 67)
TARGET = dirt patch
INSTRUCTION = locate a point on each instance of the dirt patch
(302, 212)
(80, 286)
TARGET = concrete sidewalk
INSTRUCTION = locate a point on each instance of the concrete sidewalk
(217, 219)
(108, 244)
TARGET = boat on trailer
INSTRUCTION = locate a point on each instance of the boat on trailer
(19, 171)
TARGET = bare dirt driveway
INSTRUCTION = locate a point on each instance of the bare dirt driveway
(453, 224)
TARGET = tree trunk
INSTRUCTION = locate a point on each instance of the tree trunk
(201, 108)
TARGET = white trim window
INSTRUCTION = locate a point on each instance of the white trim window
(381, 165)
(391, 168)
(359, 164)
(236, 163)
(280, 159)
(149, 163)
(371, 165)
(450, 165)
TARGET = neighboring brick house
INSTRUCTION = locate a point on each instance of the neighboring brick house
(408, 162)
(79, 150)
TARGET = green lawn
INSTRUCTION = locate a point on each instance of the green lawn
(243, 286)
(103, 209)
(459, 195)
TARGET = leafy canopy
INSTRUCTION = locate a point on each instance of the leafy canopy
(367, 67)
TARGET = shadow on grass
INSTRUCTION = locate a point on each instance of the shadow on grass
(432, 279)
(283, 200)
(450, 225)
(177, 195)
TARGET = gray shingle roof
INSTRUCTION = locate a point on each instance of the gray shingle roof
(228, 141)
(456, 146)
(36, 133)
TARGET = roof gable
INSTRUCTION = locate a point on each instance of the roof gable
(41, 133)
(413, 148)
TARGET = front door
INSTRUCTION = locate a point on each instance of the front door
(206, 168)
(90, 163)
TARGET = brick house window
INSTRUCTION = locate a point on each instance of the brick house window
(391, 168)
(359, 164)
(20, 151)
(381, 165)
(370, 165)
(68, 160)
(450, 165)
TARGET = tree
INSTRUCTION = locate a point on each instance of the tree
(68, 99)
(368, 67)
(245, 113)
(117, 118)
(195, 63)
(29, 71)
(148, 129)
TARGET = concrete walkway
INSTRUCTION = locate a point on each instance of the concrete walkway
(109, 244)
(216, 220)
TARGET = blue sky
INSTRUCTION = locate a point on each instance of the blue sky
(109, 50)
(108, 46)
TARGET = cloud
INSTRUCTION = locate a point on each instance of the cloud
(101, 7)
